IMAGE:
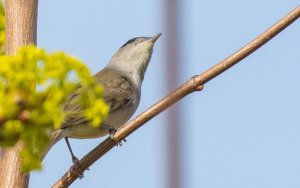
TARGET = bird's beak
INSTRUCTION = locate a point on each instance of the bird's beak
(153, 39)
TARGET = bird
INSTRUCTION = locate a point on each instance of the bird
(121, 80)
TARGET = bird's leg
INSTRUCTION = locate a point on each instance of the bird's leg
(75, 160)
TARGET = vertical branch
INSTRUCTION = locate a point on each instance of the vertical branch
(21, 24)
(173, 140)
(10, 163)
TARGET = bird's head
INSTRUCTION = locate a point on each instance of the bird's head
(134, 56)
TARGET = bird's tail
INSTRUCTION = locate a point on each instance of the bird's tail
(55, 136)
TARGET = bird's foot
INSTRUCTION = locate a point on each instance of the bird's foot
(76, 167)
(112, 132)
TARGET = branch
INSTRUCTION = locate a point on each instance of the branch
(194, 84)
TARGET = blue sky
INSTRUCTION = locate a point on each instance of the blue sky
(242, 130)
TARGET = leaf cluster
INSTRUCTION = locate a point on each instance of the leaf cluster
(34, 86)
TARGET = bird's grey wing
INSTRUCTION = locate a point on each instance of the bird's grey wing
(118, 93)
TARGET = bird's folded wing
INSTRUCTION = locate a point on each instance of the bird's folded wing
(118, 93)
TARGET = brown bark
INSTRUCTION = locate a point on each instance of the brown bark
(21, 20)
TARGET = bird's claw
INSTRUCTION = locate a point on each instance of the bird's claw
(120, 143)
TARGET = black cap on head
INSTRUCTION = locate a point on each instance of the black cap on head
(136, 39)
(129, 41)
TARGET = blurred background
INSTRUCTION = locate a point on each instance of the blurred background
(242, 130)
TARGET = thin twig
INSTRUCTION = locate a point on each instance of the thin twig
(194, 84)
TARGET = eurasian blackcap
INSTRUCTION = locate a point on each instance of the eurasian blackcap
(121, 80)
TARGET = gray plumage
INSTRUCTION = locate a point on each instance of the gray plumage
(121, 79)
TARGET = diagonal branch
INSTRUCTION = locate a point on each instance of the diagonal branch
(194, 84)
